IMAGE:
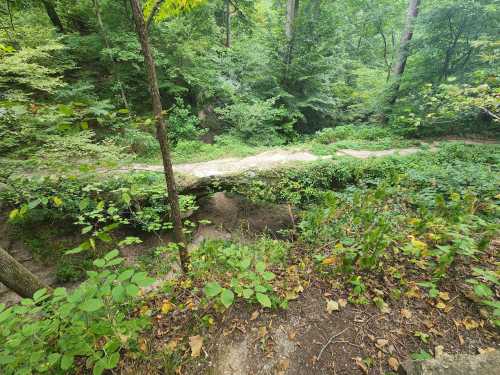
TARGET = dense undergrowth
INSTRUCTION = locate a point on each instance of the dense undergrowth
(410, 219)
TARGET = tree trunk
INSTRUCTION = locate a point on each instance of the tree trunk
(54, 17)
(227, 14)
(17, 277)
(403, 52)
(161, 133)
(292, 8)
(108, 46)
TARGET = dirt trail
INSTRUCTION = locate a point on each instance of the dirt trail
(260, 162)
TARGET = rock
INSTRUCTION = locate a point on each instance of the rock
(462, 364)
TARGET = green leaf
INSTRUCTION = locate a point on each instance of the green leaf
(66, 361)
(104, 237)
(212, 289)
(118, 293)
(245, 263)
(247, 293)
(53, 358)
(87, 229)
(34, 203)
(483, 290)
(91, 305)
(260, 267)
(39, 294)
(112, 254)
(112, 361)
(268, 276)
(142, 279)
(125, 275)
(99, 263)
(132, 290)
(263, 299)
(227, 297)
(421, 356)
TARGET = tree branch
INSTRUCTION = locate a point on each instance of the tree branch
(152, 15)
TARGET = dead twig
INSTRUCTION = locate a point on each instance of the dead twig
(329, 342)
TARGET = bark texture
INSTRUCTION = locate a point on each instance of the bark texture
(52, 13)
(17, 277)
(227, 10)
(161, 133)
(403, 51)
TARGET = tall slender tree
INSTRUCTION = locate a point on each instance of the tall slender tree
(161, 133)
(404, 50)
(17, 277)
(292, 9)
(52, 13)
(227, 14)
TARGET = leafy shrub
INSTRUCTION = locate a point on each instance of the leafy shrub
(247, 267)
(256, 122)
(86, 327)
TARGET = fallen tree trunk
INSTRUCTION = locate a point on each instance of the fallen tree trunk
(17, 277)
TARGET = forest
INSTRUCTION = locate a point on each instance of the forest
(249, 187)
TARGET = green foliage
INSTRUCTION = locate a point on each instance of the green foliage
(91, 323)
(247, 267)
(257, 122)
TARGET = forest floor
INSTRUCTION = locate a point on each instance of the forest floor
(310, 337)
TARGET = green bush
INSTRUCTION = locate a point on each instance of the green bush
(55, 332)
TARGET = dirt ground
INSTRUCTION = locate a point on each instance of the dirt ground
(357, 339)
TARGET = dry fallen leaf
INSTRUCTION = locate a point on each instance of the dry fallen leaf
(255, 315)
(393, 363)
(486, 350)
(381, 343)
(329, 261)
(441, 305)
(195, 342)
(470, 323)
(461, 340)
(438, 351)
(444, 296)
(405, 313)
(262, 331)
(331, 306)
(172, 344)
(342, 302)
(361, 364)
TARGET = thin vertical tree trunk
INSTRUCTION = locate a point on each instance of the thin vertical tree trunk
(52, 13)
(97, 9)
(161, 133)
(17, 277)
(403, 52)
(227, 14)
(292, 8)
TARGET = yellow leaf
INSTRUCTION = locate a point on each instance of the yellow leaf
(470, 323)
(329, 261)
(13, 214)
(167, 307)
(440, 305)
(57, 201)
(196, 343)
